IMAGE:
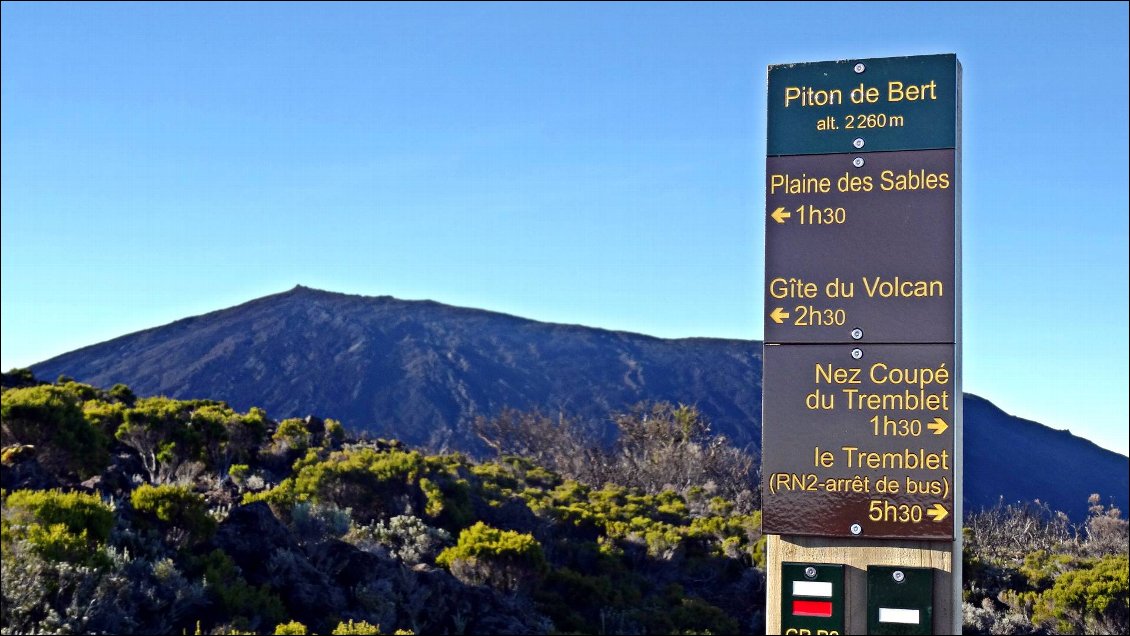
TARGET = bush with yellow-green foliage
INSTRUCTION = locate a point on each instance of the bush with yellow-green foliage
(59, 526)
(50, 418)
(1091, 598)
(350, 628)
(661, 522)
(291, 435)
(166, 433)
(359, 628)
(177, 507)
(106, 416)
(504, 559)
(363, 480)
(239, 473)
(78, 512)
(335, 433)
(370, 482)
(293, 628)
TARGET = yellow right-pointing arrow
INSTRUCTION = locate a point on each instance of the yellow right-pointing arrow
(938, 512)
(780, 214)
(939, 426)
(778, 315)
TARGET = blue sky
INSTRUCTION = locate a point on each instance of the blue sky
(591, 163)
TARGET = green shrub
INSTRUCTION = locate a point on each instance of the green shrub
(77, 512)
(238, 473)
(364, 480)
(123, 394)
(157, 428)
(166, 432)
(82, 391)
(115, 593)
(1093, 596)
(291, 435)
(56, 543)
(434, 496)
(504, 559)
(51, 419)
(574, 601)
(104, 416)
(176, 506)
(758, 552)
(671, 505)
(720, 506)
(293, 628)
(71, 527)
(245, 434)
(335, 433)
(360, 628)
(1042, 567)
(447, 500)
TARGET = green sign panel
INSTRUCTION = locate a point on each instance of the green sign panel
(868, 105)
(900, 600)
(812, 598)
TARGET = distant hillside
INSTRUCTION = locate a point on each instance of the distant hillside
(418, 370)
(421, 371)
(1018, 459)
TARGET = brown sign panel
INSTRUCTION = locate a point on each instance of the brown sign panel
(861, 247)
(861, 442)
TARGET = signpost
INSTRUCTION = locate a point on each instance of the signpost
(867, 448)
(862, 380)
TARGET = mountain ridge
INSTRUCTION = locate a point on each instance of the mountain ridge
(421, 371)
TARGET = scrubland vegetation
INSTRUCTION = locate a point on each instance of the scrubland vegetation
(1029, 570)
(129, 514)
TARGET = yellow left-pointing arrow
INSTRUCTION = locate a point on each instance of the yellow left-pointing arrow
(780, 214)
(778, 315)
(938, 512)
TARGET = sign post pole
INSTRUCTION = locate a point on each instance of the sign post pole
(861, 447)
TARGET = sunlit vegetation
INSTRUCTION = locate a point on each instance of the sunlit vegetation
(1030, 570)
(127, 514)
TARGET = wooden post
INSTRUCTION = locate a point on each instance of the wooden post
(942, 556)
